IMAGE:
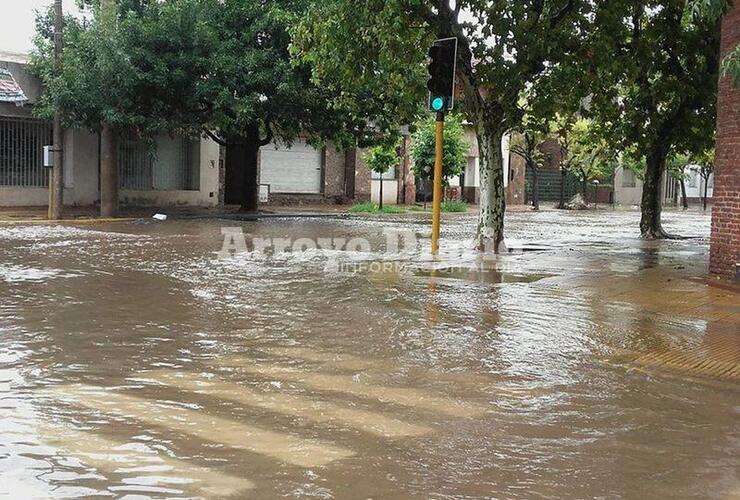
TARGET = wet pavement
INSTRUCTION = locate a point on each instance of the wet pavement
(135, 363)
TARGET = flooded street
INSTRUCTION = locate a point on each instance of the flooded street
(136, 362)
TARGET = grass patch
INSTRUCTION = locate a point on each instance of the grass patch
(373, 208)
(364, 208)
(448, 206)
(454, 206)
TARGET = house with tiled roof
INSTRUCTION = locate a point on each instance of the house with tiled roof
(10, 91)
(181, 172)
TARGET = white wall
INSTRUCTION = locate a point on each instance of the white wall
(80, 167)
(695, 183)
(390, 192)
(206, 196)
(625, 195)
(81, 179)
(505, 151)
(472, 170)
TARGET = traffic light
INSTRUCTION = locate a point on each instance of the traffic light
(441, 84)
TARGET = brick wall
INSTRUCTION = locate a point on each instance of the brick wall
(406, 178)
(515, 190)
(725, 248)
(334, 172)
(363, 179)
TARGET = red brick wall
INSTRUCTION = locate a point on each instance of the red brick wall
(405, 176)
(515, 190)
(363, 179)
(726, 213)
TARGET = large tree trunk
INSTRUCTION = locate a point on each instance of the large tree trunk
(247, 149)
(108, 171)
(650, 225)
(251, 178)
(535, 186)
(490, 232)
(684, 201)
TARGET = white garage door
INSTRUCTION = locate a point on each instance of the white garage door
(291, 170)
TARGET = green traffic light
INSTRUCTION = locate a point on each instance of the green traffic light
(438, 104)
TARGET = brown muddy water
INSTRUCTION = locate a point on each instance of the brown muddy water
(134, 363)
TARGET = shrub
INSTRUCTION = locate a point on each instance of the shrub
(454, 206)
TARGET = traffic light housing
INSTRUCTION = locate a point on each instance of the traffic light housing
(441, 84)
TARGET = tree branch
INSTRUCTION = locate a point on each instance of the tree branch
(215, 138)
(562, 13)
(270, 136)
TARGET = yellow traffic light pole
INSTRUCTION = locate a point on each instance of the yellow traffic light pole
(441, 85)
(437, 200)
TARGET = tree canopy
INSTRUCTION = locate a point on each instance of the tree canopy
(653, 87)
(712, 10)
(137, 70)
(373, 55)
(219, 67)
(381, 158)
(455, 149)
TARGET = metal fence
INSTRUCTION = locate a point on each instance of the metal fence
(22, 142)
(173, 164)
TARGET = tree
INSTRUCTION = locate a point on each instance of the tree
(220, 68)
(712, 10)
(380, 159)
(591, 157)
(583, 152)
(132, 68)
(562, 128)
(526, 144)
(676, 166)
(254, 94)
(373, 54)
(423, 150)
(654, 82)
(705, 162)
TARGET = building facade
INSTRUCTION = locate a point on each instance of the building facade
(175, 171)
(514, 172)
(725, 246)
(628, 188)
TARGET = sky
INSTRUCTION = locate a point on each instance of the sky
(17, 22)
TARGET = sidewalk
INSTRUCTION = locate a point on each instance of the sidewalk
(90, 214)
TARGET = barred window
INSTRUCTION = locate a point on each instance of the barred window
(22, 142)
(172, 165)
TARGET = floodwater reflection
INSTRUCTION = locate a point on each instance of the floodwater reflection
(135, 362)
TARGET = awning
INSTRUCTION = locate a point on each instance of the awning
(10, 91)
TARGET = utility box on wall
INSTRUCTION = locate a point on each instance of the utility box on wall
(48, 156)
